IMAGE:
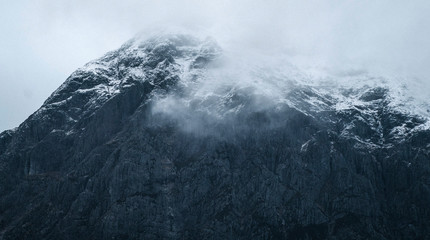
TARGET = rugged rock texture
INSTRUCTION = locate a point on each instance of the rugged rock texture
(97, 162)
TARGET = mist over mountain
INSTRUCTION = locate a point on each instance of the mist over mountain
(177, 136)
(51, 38)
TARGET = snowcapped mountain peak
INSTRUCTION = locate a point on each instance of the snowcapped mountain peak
(174, 131)
(180, 71)
(207, 84)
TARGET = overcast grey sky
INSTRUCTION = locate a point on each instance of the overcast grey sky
(43, 41)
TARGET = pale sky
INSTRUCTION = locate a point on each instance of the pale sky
(43, 41)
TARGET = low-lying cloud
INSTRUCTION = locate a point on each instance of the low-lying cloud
(378, 35)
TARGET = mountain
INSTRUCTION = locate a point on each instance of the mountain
(167, 138)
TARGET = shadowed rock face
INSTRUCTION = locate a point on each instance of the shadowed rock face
(97, 162)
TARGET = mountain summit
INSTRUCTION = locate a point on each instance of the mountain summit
(170, 138)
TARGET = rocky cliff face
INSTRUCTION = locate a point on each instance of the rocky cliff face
(139, 145)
